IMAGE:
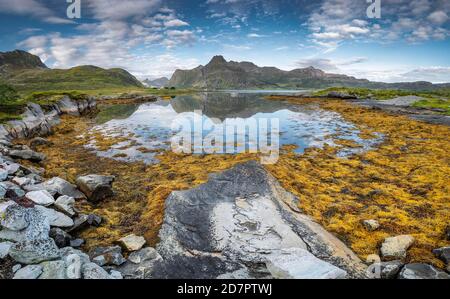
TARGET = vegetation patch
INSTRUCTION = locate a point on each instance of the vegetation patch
(383, 94)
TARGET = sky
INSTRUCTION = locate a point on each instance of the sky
(152, 38)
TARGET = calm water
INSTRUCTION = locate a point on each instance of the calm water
(148, 128)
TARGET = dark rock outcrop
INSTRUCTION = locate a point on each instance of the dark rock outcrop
(243, 224)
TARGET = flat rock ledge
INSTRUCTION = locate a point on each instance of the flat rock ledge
(243, 224)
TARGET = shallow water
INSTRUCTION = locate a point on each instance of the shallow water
(150, 127)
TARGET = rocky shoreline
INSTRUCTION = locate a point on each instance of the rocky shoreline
(241, 224)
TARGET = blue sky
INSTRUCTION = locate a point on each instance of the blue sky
(152, 38)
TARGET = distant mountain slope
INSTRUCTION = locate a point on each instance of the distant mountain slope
(160, 82)
(25, 71)
(220, 74)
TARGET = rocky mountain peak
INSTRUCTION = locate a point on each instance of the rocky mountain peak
(19, 59)
(217, 60)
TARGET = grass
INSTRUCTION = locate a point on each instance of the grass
(384, 94)
(434, 103)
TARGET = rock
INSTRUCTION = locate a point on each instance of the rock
(21, 181)
(42, 197)
(80, 223)
(65, 204)
(421, 271)
(233, 223)
(94, 220)
(57, 187)
(69, 252)
(14, 218)
(62, 239)
(4, 249)
(56, 219)
(145, 254)
(38, 228)
(115, 274)
(12, 191)
(35, 251)
(2, 192)
(371, 225)
(443, 254)
(53, 270)
(96, 187)
(131, 243)
(389, 270)
(38, 141)
(77, 243)
(3, 174)
(109, 256)
(12, 168)
(16, 268)
(94, 271)
(140, 264)
(27, 155)
(29, 272)
(297, 263)
(396, 247)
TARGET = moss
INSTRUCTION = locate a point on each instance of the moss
(383, 94)
(434, 103)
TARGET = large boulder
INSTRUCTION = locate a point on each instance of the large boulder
(96, 187)
(421, 271)
(34, 251)
(396, 247)
(38, 227)
(241, 224)
(57, 187)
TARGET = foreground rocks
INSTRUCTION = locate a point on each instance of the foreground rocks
(396, 247)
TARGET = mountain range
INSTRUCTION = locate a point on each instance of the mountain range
(221, 74)
(25, 71)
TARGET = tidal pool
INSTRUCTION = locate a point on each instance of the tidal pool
(140, 132)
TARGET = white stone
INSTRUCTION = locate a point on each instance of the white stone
(132, 243)
(42, 197)
(21, 181)
(396, 247)
(3, 174)
(371, 225)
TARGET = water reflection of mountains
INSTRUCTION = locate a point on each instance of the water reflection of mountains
(224, 105)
